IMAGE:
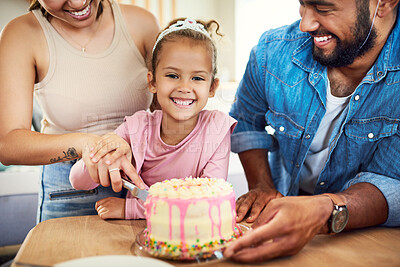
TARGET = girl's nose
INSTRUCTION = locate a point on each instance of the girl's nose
(308, 21)
(184, 87)
(77, 4)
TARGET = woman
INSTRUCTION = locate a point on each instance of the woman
(85, 62)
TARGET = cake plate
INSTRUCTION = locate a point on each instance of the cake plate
(213, 256)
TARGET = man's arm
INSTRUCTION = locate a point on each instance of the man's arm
(261, 188)
(287, 224)
(366, 205)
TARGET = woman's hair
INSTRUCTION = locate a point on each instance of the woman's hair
(36, 5)
(191, 34)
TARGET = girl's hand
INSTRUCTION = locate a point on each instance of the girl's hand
(108, 143)
(111, 208)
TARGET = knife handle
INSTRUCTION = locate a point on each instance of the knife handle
(131, 187)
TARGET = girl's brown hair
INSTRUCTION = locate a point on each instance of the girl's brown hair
(36, 5)
(192, 34)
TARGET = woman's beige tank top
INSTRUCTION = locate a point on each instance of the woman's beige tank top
(91, 93)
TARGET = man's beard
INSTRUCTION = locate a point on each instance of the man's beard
(347, 51)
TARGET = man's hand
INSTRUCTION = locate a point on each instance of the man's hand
(254, 201)
(283, 228)
(262, 189)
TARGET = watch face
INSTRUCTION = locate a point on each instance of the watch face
(340, 219)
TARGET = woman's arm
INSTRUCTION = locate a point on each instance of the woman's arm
(24, 61)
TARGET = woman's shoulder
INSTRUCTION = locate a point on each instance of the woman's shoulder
(139, 18)
(142, 26)
(23, 34)
(22, 27)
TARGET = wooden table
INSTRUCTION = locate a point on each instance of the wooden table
(64, 239)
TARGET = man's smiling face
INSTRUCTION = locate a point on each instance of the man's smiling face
(339, 29)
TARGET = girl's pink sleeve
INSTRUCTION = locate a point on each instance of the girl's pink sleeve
(79, 177)
(134, 207)
(217, 165)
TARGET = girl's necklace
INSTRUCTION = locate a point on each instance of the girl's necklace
(83, 47)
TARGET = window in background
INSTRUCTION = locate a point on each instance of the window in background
(253, 18)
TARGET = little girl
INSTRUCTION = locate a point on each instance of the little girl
(181, 139)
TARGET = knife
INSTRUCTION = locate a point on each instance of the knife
(135, 191)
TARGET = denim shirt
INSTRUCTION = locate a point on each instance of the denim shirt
(284, 88)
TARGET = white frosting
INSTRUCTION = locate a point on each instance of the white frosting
(191, 188)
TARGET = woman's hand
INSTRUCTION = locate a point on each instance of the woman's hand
(108, 156)
(108, 143)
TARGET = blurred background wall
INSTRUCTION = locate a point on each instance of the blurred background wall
(242, 22)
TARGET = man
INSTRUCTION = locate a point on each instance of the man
(327, 90)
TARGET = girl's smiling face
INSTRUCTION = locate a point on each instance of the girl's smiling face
(183, 80)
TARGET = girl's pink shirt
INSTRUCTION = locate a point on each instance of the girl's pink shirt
(203, 153)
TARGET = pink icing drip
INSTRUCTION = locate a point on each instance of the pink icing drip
(183, 206)
(233, 205)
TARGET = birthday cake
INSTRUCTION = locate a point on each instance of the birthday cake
(191, 217)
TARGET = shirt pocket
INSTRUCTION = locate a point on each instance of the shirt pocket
(363, 137)
(287, 133)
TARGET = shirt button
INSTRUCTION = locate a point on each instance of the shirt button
(321, 183)
(308, 136)
(370, 135)
(315, 75)
(297, 165)
(357, 97)
(281, 129)
(380, 73)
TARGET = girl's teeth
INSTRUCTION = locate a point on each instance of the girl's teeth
(81, 13)
(323, 38)
(183, 102)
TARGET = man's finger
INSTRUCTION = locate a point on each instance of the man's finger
(256, 208)
(270, 230)
(245, 205)
(263, 252)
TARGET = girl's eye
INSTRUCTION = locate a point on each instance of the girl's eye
(172, 76)
(198, 78)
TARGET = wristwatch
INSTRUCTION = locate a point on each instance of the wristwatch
(340, 215)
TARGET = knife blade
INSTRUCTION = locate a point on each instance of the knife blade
(135, 191)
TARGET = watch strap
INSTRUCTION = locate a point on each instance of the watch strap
(337, 200)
